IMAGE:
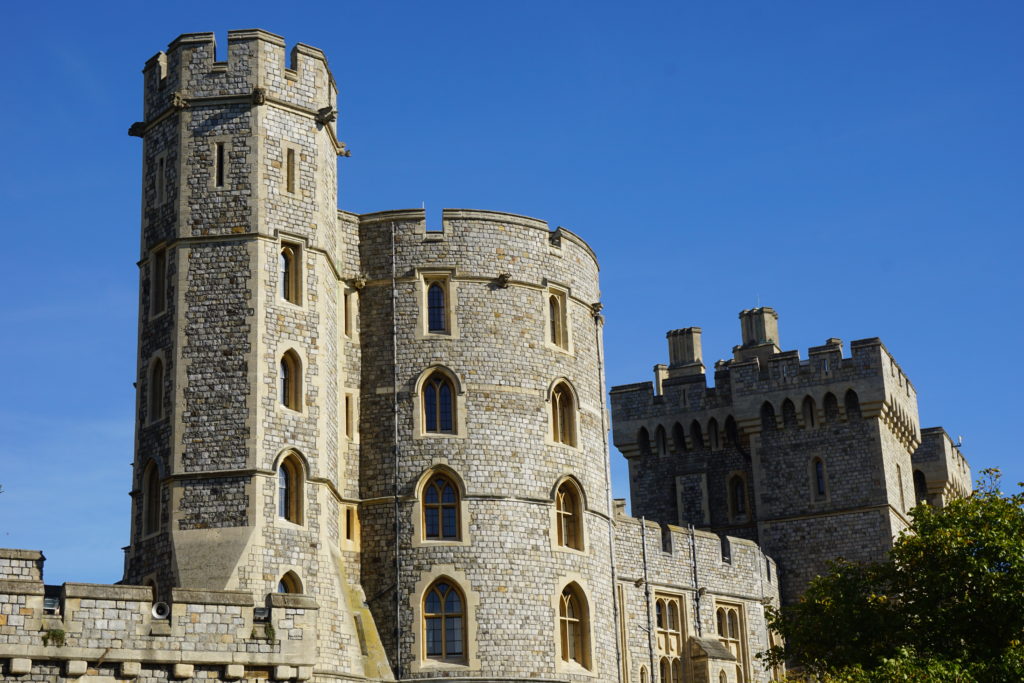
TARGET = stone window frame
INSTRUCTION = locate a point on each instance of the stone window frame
(740, 641)
(350, 415)
(298, 468)
(349, 527)
(349, 309)
(291, 581)
(471, 601)
(295, 170)
(579, 586)
(419, 535)
(160, 194)
(224, 164)
(151, 504)
(458, 405)
(664, 633)
(574, 414)
(290, 398)
(158, 280)
(445, 277)
(581, 516)
(812, 474)
(562, 295)
(295, 276)
(161, 393)
(736, 517)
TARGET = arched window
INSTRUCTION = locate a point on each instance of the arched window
(289, 583)
(767, 417)
(661, 441)
(831, 408)
(288, 273)
(665, 670)
(696, 435)
(557, 320)
(150, 499)
(574, 628)
(569, 516)
(713, 436)
(563, 415)
(679, 438)
(644, 678)
(819, 483)
(852, 405)
(920, 487)
(289, 381)
(737, 498)
(722, 677)
(643, 441)
(731, 634)
(444, 618)
(438, 404)
(156, 390)
(732, 434)
(677, 671)
(437, 308)
(441, 509)
(788, 414)
(809, 411)
(289, 489)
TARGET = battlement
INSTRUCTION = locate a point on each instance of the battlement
(190, 73)
(412, 223)
(79, 623)
(761, 374)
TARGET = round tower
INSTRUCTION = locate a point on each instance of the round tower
(483, 431)
(238, 468)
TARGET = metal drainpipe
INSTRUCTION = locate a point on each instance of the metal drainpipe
(395, 483)
(647, 597)
(696, 586)
(608, 486)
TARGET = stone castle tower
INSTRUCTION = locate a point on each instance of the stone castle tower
(813, 459)
(366, 449)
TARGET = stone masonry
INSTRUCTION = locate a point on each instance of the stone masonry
(279, 525)
(812, 458)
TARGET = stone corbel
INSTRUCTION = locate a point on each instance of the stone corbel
(358, 282)
(178, 101)
(259, 96)
(503, 279)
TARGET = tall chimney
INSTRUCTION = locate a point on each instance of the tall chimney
(685, 356)
(760, 329)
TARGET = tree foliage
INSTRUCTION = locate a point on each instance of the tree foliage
(947, 606)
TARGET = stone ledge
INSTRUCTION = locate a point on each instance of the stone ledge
(204, 597)
(19, 554)
(102, 591)
(21, 587)
(291, 600)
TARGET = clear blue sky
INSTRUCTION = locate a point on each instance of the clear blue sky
(856, 165)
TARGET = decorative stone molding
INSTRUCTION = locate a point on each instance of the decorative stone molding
(259, 96)
(503, 279)
(178, 101)
(326, 115)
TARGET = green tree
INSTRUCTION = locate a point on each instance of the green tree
(947, 606)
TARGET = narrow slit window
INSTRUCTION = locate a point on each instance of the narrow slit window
(290, 273)
(161, 182)
(158, 295)
(289, 381)
(348, 523)
(218, 164)
(437, 318)
(289, 491)
(289, 180)
(349, 417)
(156, 390)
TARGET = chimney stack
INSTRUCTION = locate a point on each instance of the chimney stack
(685, 356)
(760, 329)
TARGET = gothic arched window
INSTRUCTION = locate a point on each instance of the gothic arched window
(574, 626)
(852, 405)
(441, 509)
(289, 381)
(768, 423)
(439, 404)
(563, 415)
(290, 481)
(444, 618)
(569, 516)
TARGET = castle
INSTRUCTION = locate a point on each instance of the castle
(366, 450)
(812, 459)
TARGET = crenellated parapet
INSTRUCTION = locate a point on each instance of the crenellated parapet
(77, 627)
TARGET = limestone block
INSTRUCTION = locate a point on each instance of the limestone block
(131, 669)
(20, 666)
(304, 673)
(233, 672)
(182, 671)
(75, 668)
(284, 673)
